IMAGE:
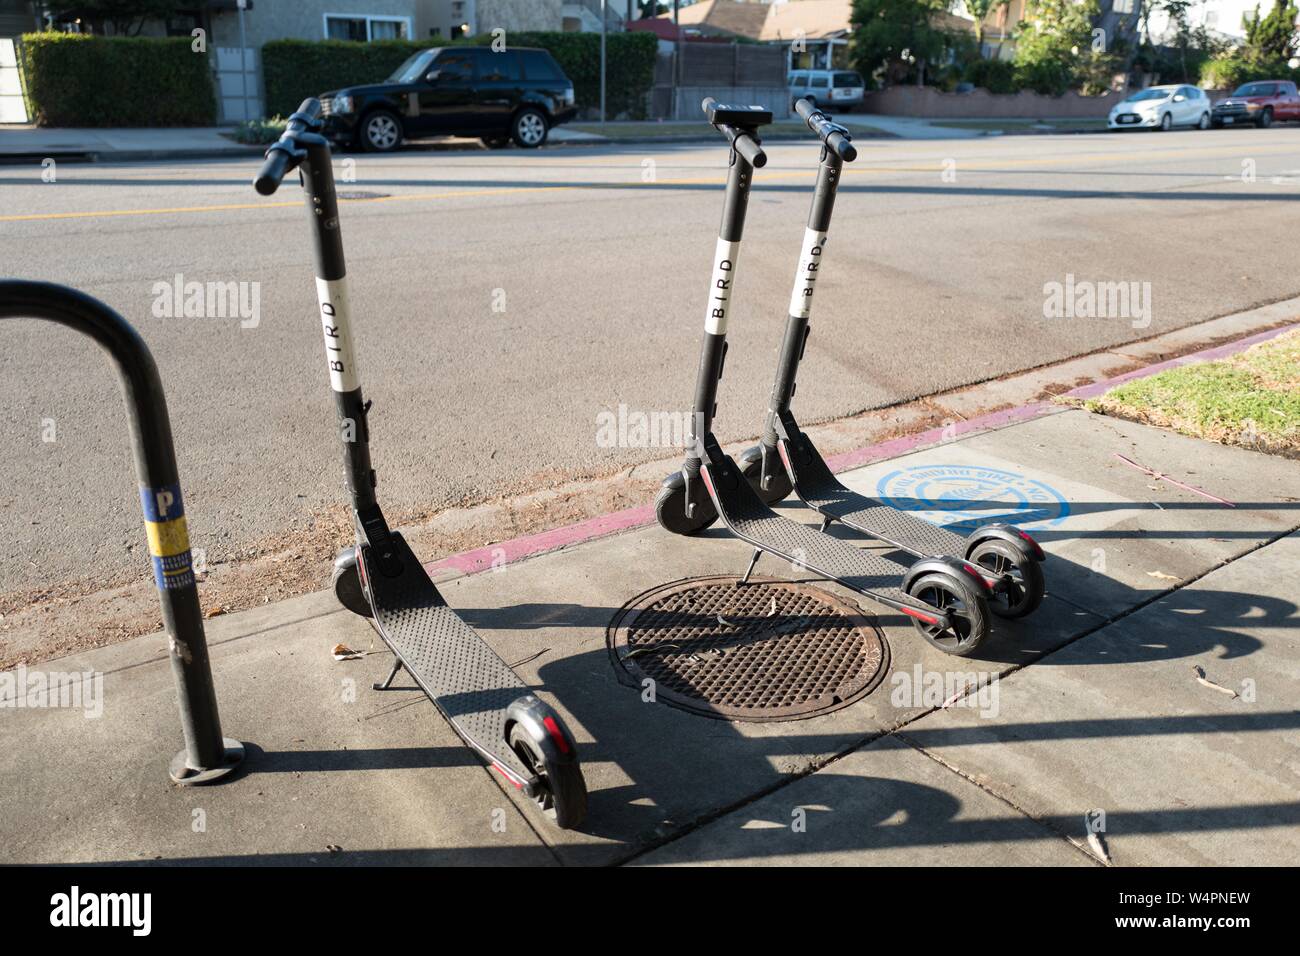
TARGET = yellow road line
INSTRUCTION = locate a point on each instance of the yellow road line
(986, 166)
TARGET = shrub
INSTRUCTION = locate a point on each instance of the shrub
(996, 76)
(260, 132)
(296, 69)
(1229, 71)
(80, 80)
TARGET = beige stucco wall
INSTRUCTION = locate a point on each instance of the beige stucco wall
(929, 102)
(518, 15)
(305, 19)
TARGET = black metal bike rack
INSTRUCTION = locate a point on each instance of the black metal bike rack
(208, 756)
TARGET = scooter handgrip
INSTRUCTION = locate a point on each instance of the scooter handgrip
(752, 152)
(708, 104)
(309, 109)
(838, 142)
(806, 110)
(273, 169)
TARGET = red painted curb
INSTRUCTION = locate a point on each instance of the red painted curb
(507, 552)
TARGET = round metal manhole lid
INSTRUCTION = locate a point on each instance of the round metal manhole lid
(766, 650)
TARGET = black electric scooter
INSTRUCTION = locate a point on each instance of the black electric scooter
(380, 578)
(1008, 557)
(945, 597)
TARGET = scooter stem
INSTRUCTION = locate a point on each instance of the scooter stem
(740, 176)
(805, 282)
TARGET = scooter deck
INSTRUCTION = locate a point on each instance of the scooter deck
(754, 522)
(819, 489)
(462, 675)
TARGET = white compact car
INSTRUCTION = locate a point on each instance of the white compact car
(1162, 107)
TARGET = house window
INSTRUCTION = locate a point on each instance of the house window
(1123, 6)
(340, 26)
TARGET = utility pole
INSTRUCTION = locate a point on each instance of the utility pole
(243, 60)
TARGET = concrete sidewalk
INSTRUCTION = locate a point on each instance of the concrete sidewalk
(32, 142)
(1099, 707)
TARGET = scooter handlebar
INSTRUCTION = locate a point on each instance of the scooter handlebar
(835, 136)
(743, 142)
(285, 153)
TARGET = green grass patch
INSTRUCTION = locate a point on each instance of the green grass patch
(1251, 399)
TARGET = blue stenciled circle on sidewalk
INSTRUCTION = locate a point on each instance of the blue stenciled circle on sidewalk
(962, 497)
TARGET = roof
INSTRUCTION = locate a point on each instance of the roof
(813, 19)
(723, 16)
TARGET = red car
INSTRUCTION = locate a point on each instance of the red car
(1261, 103)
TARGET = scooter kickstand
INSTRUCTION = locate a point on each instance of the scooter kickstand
(758, 553)
(388, 681)
(826, 523)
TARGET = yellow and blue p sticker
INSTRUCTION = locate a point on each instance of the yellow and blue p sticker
(169, 539)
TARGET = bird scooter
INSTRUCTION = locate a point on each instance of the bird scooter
(1007, 557)
(380, 578)
(945, 597)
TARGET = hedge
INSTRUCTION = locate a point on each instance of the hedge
(80, 80)
(296, 69)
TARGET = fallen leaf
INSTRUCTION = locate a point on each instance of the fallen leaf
(342, 652)
(1206, 682)
(1162, 576)
(214, 611)
(1098, 847)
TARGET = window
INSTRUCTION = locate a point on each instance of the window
(339, 26)
(454, 66)
(848, 80)
(539, 66)
(502, 67)
(819, 82)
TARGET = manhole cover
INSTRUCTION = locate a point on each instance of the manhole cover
(361, 194)
(766, 650)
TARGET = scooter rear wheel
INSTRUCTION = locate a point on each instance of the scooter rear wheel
(561, 791)
(968, 609)
(1003, 559)
(670, 506)
(778, 481)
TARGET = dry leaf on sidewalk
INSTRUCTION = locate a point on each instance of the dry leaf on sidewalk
(1203, 680)
(342, 652)
(1162, 576)
(1098, 847)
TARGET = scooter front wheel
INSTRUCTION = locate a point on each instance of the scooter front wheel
(670, 506)
(561, 792)
(967, 609)
(346, 581)
(1024, 586)
(778, 482)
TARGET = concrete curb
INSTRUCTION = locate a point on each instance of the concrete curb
(499, 555)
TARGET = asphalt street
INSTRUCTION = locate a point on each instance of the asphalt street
(504, 300)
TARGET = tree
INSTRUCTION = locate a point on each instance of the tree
(127, 17)
(1274, 36)
(894, 37)
(979, 9)
(1054, 45)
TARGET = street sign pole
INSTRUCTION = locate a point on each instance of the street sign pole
(243, 60)
(604, 23)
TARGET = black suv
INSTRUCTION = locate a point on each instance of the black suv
(514, 94)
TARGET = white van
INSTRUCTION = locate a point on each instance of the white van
(829, 89)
